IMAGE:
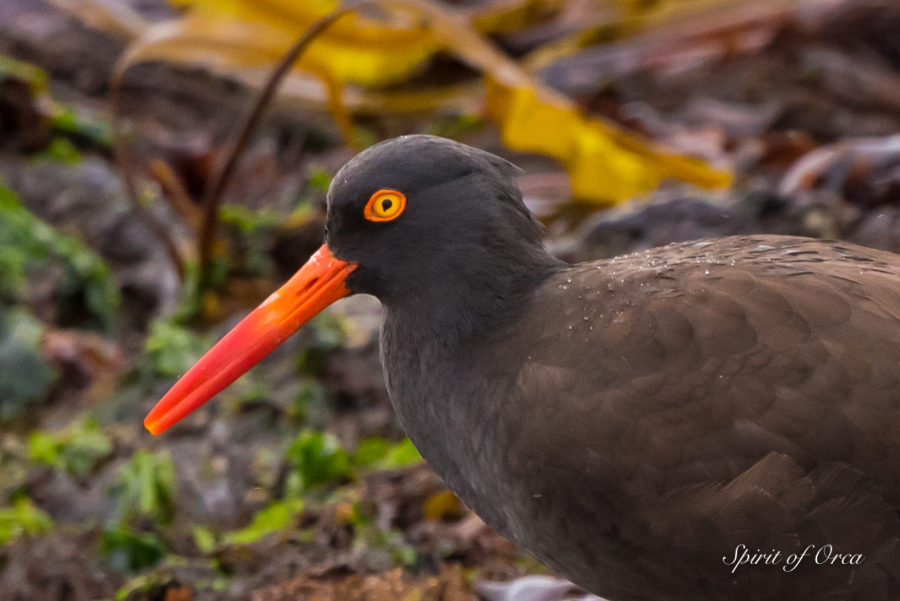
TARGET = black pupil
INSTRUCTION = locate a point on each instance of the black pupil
(386, 204)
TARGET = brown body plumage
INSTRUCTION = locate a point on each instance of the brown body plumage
(658, 414)
(641, 422)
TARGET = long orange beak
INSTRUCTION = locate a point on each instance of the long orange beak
(315, 286)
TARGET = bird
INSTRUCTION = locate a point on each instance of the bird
(704, 421)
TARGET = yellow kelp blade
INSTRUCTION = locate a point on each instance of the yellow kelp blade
(606, 164)
(359, 50)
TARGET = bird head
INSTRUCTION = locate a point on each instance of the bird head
(409, 215)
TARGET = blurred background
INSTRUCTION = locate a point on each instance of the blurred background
(137, 224)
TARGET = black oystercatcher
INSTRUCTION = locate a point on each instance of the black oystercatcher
(713, 420)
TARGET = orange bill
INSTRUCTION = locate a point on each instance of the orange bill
(315, 286)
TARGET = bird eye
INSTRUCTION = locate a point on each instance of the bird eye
(385, 205)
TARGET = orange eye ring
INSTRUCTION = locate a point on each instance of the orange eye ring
(385, 205)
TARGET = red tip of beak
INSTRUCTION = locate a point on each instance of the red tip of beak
(316, 285)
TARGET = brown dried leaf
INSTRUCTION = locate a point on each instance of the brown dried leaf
(395, 585)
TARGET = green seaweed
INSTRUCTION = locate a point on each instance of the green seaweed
(85, 295)
(380, 453)
(60, 150)
(317, 459)
(128, 550)
(171, 348)
(22, 519)
(76, 449)
(272, 518)
(146, 487)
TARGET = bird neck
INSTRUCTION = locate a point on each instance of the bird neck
(468, 294)
(436, 345)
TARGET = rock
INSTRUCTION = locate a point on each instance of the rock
(27, 377)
